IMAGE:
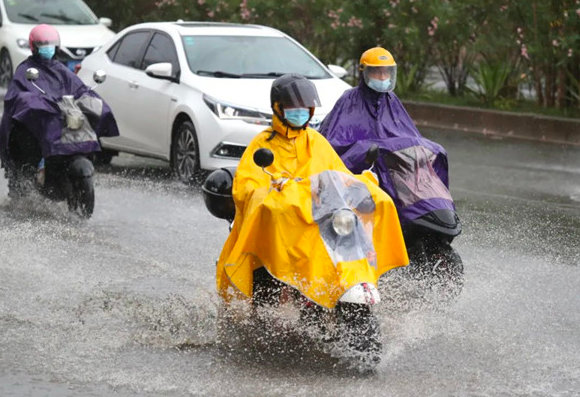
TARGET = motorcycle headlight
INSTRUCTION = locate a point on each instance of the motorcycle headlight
(232, 112)
(343, 222)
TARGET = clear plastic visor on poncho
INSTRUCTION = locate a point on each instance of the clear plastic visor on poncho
(412, 173)
(344, 210)
(380, 78)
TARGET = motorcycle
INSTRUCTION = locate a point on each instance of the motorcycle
(56, 176)
(340, 307)
(413, 171)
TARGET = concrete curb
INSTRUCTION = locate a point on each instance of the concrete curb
(489, 122)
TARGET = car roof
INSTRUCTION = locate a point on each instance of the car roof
(211, 28)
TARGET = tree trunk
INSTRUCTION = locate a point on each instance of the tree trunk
(549, 93)
(561, 93)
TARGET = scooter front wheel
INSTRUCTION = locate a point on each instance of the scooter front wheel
(360, 330)
(82, 198)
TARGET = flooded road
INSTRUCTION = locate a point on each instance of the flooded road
(124, 303)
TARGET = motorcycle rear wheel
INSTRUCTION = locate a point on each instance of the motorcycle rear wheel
(82, 198)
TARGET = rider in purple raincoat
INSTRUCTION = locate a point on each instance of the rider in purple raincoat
(30, 115)
(370, 114)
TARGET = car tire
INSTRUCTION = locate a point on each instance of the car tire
(185, 153)
(6, 69)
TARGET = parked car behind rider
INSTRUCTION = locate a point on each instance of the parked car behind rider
(80, 31)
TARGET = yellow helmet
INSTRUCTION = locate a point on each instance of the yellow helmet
(377, 56)
(379, 69)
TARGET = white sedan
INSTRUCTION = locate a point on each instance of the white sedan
(80, 31)
(195, 94)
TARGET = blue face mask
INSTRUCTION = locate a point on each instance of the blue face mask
(47, 51)
(379, 85)
(298, 116)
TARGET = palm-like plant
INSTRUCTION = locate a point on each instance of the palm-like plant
(491, 78)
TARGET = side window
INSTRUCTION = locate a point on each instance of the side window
(113, 50)
(129, 51)
(161, 49)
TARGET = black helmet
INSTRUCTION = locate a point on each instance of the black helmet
(294, 91)
(217, 193)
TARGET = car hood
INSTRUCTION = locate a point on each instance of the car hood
(84, 36)
(255, 93)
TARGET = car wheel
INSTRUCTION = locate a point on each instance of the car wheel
(5, 68)
(185, 154)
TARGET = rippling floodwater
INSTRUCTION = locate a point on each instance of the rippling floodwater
(124, 303)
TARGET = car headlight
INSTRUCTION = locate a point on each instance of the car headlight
(22, 43)
(232, 112)
(343, 222)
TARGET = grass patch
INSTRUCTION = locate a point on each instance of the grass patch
(522, 106)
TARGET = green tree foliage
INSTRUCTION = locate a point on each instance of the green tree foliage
(536, 41)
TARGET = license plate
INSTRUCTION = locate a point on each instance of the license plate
(71, 65)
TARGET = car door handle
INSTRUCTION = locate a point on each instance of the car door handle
(133, 85)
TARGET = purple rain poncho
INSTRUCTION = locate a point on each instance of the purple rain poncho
(411, 169)
(40, 113)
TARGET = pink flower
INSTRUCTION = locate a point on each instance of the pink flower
(524, 52)
(245, 13)
(555, 43)
(578, 10)
(569, 53)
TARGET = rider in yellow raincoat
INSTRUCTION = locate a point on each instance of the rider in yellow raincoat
(275, 228)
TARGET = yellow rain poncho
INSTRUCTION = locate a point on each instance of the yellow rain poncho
(276, 229)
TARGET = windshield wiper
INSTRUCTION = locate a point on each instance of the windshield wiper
(28, 16)
(61, 17)
(275, 74)
(264, 75)
(218, 73)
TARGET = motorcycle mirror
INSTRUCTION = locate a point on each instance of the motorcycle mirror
(372, 154)
(32, 74)
(263, 157)
(99, 76)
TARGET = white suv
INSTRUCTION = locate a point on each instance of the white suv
(80, 31)
(196, 93)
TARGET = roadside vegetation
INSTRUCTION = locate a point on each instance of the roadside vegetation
(498, 54)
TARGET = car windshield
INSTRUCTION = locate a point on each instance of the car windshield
(54, 12)
(250, 57)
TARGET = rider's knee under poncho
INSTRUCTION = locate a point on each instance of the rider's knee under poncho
(279, 229)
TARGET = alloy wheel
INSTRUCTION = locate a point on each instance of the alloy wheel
(186, 161)
(5, 69)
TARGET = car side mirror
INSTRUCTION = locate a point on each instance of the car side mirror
(108, 22)
(162, 70)
(32, 74)
(338, 71)
(263, 157)
(372, 154)
(99, 76)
